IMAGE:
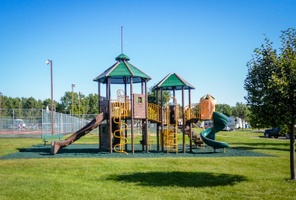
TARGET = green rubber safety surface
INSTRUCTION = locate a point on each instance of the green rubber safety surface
(92, 151)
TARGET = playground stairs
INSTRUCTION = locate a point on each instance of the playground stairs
(196, 139)
(171, 139)
(119, 134)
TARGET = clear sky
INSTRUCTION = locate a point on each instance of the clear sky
(206, 42)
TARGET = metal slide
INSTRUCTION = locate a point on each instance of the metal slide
(209, 135)
(56, 145)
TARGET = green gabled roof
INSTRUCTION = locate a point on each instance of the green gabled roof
(121, 72)
(173, 81)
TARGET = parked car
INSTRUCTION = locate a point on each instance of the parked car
(17, 124)
(274, 132)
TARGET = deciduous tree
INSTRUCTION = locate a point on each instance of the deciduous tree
(271, 87)
(224, 108)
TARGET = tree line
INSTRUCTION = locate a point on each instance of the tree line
(87, 104)
(82, 104)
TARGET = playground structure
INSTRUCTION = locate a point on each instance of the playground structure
(56, 145)
(118, 116)
(209, 135)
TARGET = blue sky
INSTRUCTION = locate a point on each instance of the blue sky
(206, 42)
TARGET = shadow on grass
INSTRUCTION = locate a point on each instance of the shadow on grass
(34, 150)
(263, 146)
(179, 179)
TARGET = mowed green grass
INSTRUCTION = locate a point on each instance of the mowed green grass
(265, 177)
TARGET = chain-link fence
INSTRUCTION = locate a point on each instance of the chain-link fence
(63, 123)
(40, 121)
(21, 119)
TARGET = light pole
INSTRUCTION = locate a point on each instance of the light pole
(79, 96)
(73, 86)
(0, 102)
(51, 95)
(1, 109)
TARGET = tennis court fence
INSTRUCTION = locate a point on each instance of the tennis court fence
(40, 121)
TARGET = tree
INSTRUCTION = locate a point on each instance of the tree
(224, 108)
(30, 103)
(92, 104)
(66, 103)
(7, 104)
(255, 121)
(284, 83)
(152, 96)
(81, 103)
(256, 84)
(271, 87)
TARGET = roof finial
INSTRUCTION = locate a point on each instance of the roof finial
(121, 39)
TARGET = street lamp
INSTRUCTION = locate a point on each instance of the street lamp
(1, 109)
(79, 98)
(73, 86)
(51, 89)
(0, 102)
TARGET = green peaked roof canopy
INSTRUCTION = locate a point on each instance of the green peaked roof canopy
(122, 57)
(121, 72)
(173, 81)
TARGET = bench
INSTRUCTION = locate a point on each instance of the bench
(47, 138)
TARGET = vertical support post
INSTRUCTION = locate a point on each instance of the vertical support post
(125, 121)
(51, 95)
(99, 107)
(1, 127)
(157, 127)
(79, 99)
(183, 125)
(73, 86)
(146, 115)
(190, 127)
(110, 113)
(132, 114)
(162, 126)
(121, 39)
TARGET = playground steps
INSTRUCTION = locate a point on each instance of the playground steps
(196, 139)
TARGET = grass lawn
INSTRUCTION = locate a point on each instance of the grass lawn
(260, 177)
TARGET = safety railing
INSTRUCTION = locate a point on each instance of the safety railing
(154, 112)
(192, 112)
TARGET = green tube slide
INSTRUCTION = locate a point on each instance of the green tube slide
(209, 135)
